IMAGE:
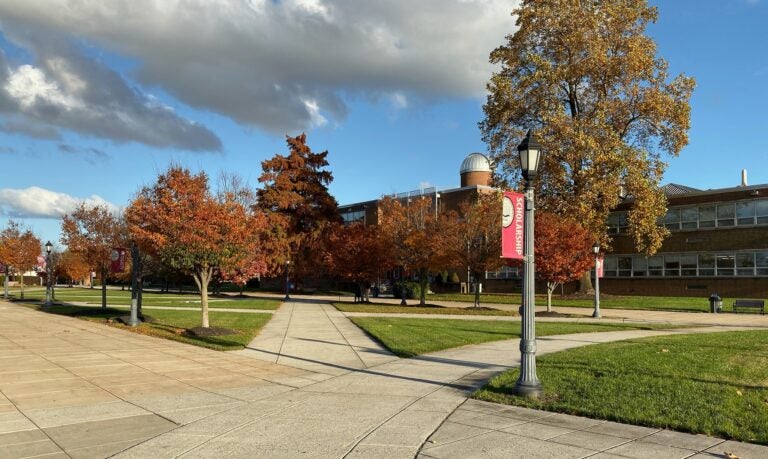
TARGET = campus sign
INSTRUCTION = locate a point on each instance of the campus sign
(117, 259)
(512, 224)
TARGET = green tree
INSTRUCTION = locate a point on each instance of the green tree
(299, 208)
(586, 78)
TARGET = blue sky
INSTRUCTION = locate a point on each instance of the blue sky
(392, 96)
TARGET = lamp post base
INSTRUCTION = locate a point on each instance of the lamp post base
(596, 315)
(529, 390)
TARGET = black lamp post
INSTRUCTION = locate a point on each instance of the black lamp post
(287, 280)
(528, 384)
(596, 251)
(49, 274)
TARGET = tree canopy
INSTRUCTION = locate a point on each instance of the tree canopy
(586, 78)
(19, 249)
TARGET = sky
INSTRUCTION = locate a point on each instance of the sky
(98, 98)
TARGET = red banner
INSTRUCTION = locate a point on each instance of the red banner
(512, 225)
(599, 265)
(118, 260)
(41, 265)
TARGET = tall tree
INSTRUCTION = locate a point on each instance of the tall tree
(416, 237)
(19, 249)
(72, 266)
(475, 238)
(357, 253)
(300, 209)
(92, 232)
(586, 78)
(191, 229)
(563, 251)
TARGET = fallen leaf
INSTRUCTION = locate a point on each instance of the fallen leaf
(738, 392)
(665, 350)
(730, 455)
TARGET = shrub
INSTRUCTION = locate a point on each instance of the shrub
(412, 290)
(454, 279)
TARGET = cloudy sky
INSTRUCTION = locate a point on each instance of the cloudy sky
(98, 97)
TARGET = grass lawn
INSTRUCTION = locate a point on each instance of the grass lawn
(410, 337)
(383, 308)
(690, 304)
(713, 384)
(172, 324)
(123, 298)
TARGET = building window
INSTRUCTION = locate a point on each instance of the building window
(506, 272)
(725, 264)
(672, 219)
(761, 210)
(688, 264)
(351, 217)
(671, 265)
(625, 266)
(655, 265)
(761, 263)
(706, 264)
(639, 266)
(745, 213)
(745, 264)
(725, 214)
(707, 217)
(617, 223)
(690, 217)
(609, 267)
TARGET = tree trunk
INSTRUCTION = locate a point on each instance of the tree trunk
(551, 286)
(104, 288)
(477, 293)
(202, 277)
(424, 284)
(585, 283)
(21, 285)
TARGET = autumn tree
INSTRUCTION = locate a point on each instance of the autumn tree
(19, 249)
(586, 78)
(475, 238)
(92, 232)
(563, 251)
(357, 253)
(299, 207)
(416, 237)
(191, 229)
(72, 266)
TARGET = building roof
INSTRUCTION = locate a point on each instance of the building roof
(674, 189)
(475, 162)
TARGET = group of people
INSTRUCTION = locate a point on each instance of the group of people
(363, 292)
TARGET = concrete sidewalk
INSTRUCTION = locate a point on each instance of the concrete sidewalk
(77, 389)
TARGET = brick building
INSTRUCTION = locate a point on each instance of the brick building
(718, 242)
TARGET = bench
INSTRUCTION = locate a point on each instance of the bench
(749, 304)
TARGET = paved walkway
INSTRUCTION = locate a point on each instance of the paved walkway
(311, 385)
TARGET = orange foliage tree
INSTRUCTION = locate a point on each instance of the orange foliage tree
(475, 237)
(416, 236)
(19, 249)
(357, 253)
(72, 266)
(563, 251)
(299, 207)
(92, 232)
(191, 229)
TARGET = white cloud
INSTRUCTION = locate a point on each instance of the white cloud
(29, 86)
(36, 202)
(260, 61)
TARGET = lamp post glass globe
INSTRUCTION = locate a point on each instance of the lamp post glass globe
(528, 384)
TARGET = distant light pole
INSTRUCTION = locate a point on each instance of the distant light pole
(287, 281)
(49, 274)
(437, 207)
(596, 251)
(7, 273)
(528, 384)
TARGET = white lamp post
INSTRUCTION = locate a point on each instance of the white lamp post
(49, 274)
(596, 251)
(528, 384)
(287, 283)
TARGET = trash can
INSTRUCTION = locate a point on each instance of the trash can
(715, 303)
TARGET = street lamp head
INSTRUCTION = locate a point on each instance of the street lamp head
(287, 262)
(596, 248)
(530, 156)
(48, 247)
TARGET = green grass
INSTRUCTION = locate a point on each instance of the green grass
(123, 298)
(688, 304)
(713, 384)
(383, 308)
(170, 324)
(410, 337)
